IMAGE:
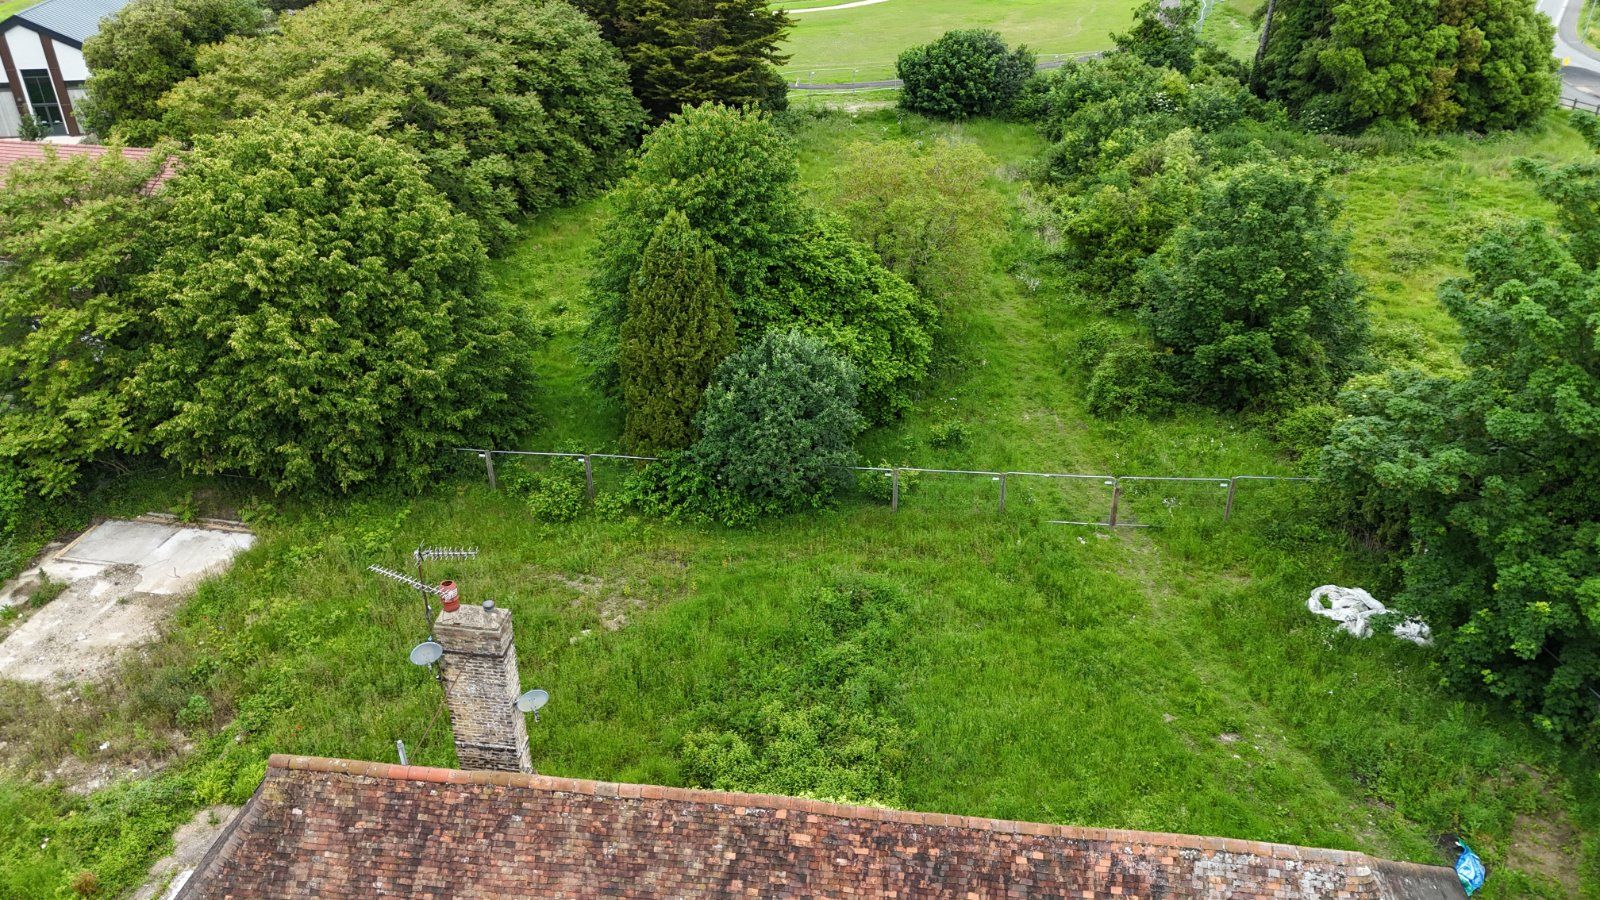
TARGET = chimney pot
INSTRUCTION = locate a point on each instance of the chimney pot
(488, 604)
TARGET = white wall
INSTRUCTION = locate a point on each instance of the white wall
(72, 65)
(10, 122)
(26, 51)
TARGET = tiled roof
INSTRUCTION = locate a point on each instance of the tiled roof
(75, 20)
(13, 151)
(335, 829)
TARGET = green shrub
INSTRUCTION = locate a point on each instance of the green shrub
(1485, 484)
(778, 421)
(1091, 347)
(1108, 230)
(817, 724)
(923, 208)
(678, 328)
(1254, 298)
(557, 493)
(1131, 379)
(1304, 430)
(948, 434)
(143, 49)
(75, 234)
(963, 73)
(1164, 36)
(784, 265)
(321, 317)
(512, 107)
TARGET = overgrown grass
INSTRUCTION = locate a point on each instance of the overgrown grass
(1165, 679)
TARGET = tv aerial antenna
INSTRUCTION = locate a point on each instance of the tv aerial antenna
(420, 583)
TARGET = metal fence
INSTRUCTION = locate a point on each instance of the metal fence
(1128, 501)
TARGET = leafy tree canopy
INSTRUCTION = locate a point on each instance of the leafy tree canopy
(73, 232)
(963, 73)
(732, 176)
(682, 53)
(1253, 296)
(145, 48)
(512, 107)
(1436, 64)
(320, 315)
(1487, 484)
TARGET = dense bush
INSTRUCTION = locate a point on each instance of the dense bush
(779, 421)
(512, 107)
(1166, 37)
(819, 724)
(320, 317)
(1107, 230)
(678, 328)
(1474, 64)
(1487, 484)
(1253, 297)
(145, 48)
(682, 53)
(922, 208)
(732, 176)
(557, 493)
(1131, 378)
(73, 234)
(963, 73)
(1099, 112)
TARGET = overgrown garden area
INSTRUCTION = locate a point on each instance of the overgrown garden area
(1132, 266)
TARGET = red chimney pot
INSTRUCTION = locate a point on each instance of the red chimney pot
(450, 595)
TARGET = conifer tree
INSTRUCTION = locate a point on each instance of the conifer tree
(679, 326)
(684, 52)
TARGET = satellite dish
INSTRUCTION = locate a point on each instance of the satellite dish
(533, 701)
(426, 653)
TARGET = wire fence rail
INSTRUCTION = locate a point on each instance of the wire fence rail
(1128, 500)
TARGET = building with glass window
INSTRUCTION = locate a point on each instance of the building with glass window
(41, 63)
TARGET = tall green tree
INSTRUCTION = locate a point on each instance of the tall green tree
(679, 327)
(512, 107)
(321, 316)
(1485, 485)
(1438, 64)
(1253, 297)
(145, 48)
(74, 233)
(681, 53)
(1164, 36)
(732, 175)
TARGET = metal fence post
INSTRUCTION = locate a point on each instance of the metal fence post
(1002, 492)
(1116, 500)
(488, 463)
(894, 489)
(588, 476)
(1227, 511)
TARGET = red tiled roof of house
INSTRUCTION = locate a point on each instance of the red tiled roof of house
(334, 828)
(13, 151)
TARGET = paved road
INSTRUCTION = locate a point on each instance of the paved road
(1580, 72)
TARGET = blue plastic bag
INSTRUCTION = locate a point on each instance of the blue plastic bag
(1469, 868)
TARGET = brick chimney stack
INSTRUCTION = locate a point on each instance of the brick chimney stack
(481, 687)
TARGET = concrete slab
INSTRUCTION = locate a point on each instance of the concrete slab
(123, 578)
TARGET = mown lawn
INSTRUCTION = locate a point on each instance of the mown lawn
(861, 44)
(1166, 679)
